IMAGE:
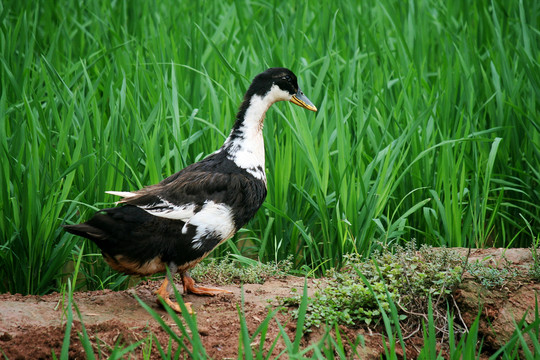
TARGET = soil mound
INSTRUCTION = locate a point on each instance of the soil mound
(33, 327)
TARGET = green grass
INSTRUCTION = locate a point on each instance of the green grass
(427, 127)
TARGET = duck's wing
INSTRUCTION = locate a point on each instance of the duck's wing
(186, 194)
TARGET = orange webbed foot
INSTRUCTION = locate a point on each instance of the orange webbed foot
(163, 293)
(190, 287)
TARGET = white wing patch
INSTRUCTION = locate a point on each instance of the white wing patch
(124, 194)
(168, 210)
(213, 219)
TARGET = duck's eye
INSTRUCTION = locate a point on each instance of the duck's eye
(287, 78)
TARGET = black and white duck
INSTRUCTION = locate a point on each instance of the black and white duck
(179, 221)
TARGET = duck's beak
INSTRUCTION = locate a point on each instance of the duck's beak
(301, 100)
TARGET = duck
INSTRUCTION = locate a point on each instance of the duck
(177, 222)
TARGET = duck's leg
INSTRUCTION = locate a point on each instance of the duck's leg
(165, 290)
(189, 287)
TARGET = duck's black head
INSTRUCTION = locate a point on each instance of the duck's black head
(280, 84)
(245, 144)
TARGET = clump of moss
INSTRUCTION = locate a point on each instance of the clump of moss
(228, 271)
(357, 293)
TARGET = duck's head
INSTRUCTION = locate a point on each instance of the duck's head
(279, 84)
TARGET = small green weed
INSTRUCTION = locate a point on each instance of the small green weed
(490, 276)
(228, 270)
(405, 276)
(534, 271)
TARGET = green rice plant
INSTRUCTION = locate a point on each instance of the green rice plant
(466, 348)
(34, 182)
(430, 341)
(529, 347)
(245, 348)
(118, 352)
(69, 318)
(293, 347)
(427, 125)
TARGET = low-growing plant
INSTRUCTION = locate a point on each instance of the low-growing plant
(405, 276)
(534, 271)
(237, 269)
(491, 276)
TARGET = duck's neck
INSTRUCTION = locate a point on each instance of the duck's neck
(245, 144)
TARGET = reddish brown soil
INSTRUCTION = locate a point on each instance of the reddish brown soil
(33, 327)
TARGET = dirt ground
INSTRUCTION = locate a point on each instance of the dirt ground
(32, 327)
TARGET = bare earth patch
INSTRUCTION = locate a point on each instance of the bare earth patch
(32, 327)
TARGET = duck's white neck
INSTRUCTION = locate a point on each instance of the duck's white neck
(245, 144)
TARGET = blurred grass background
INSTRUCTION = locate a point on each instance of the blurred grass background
(428, 125)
